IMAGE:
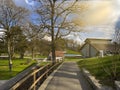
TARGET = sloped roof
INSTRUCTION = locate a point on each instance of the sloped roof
(94, 40)
(103, 46)
(99, 44)
(98, 39)
(58, 53)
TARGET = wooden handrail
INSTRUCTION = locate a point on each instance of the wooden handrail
(28, 76)
(33, 75)
(32, 86)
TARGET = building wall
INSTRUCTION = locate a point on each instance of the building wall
(93, 51)
(88, 51)
(85, 51)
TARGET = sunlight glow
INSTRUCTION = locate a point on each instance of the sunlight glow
(97, 13)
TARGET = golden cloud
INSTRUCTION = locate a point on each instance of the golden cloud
(96, 13)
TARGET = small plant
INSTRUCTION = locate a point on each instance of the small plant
(111, 68)
(106, 69)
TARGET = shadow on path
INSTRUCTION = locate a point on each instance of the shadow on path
(68, 77)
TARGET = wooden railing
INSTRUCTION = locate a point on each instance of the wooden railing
(35, 79)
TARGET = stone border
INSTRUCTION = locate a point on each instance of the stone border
(2, 82)
(117, 83)
(49, 78)
(94, 82)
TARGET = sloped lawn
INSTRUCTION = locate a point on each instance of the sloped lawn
(98, 66)
(72, 59)
(68, 51)
(18, 66)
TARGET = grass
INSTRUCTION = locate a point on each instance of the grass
(72, 59)
(72, 52)
(44, 63)
(38, 56)
(96, 67)
(18, 66)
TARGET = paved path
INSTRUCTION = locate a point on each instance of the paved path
(2, 82)
(68, 77)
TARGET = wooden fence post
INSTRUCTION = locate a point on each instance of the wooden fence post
(47, 70)
(34, 79)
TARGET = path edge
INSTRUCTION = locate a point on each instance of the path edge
(49, 78)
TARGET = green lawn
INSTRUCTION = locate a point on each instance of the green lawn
(44, 63)
(18, 66)
(72, 59)
(39, 56)
(96, 66)
(72, 52)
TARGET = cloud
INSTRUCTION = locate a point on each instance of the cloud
(25, 4)
(100, 18)
(29, 2)
(98, 12)
(21, 3)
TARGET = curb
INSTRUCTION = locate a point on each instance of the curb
(94, 82)
(46, 82)
(117, 83)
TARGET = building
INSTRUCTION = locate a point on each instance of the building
(96, 47)
(59, 55)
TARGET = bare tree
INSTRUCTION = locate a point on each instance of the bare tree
(116, 38)
(34, 33)
(18, 41)
(54, 15)
(112, 69)
(10, 16)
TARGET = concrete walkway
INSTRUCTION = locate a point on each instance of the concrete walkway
(68, 77)
(2, 82)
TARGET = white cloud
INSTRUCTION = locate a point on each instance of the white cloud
(47, 38)
(30, 2)
(24, 4)
(21, 3)
(101, 17)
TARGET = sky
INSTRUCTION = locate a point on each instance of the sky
(98, 21)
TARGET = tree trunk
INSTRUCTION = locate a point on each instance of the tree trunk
(32, 53)
(9, 55)
(53, 51)
(21, 55)
(12, 51)
(52, 33)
